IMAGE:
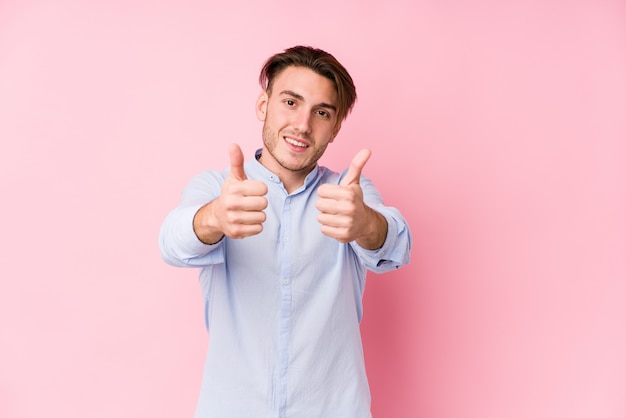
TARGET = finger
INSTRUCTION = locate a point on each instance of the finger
(332, 191)
(340, 234)
(333, 221)
(252, 204)
(236, 162)
(253, 188)
(356, 166)
(247, 218)
(332, 206)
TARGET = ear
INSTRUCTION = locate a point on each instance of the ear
(261, 106)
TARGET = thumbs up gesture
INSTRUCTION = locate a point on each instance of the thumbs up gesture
(343, 214)
(238, 211)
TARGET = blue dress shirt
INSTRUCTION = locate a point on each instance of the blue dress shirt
(282, 307)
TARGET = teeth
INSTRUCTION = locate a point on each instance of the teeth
(294, 142)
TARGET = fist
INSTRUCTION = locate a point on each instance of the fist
(238, 211)
(343, 214)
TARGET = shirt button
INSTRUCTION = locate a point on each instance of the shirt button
(285, 281)
(285, 239)
(288, 200)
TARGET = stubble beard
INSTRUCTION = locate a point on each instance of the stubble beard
(271, 141)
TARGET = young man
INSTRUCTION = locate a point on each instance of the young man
(284, 245)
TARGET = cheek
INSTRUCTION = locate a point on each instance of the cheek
(276, 117)
(325, 132)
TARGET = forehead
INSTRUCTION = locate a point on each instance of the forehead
(306, 83)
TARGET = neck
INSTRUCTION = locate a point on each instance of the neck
(292, 180)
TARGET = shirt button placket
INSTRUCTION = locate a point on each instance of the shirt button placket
(285, 306)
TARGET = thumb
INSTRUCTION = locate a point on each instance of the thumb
(356, 166)
(236, 162)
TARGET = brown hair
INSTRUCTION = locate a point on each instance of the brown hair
(319, 61)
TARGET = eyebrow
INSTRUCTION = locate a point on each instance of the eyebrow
(300, 97)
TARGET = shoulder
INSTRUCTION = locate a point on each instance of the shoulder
(207, 181)
(210, 176)
(329, 176)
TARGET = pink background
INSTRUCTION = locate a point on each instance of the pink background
(499, 130)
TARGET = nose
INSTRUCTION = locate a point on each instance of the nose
(302, 121)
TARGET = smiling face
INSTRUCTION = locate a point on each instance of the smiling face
(299, 112)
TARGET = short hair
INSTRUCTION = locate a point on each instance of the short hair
(319, 61)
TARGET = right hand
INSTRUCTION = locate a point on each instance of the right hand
(238, 211)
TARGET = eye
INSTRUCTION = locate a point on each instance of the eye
(290, 102)
(323, 114)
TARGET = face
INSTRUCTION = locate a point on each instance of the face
(300, 120)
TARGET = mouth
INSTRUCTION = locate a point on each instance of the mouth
(295, 143)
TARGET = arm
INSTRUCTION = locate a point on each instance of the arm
(238, 210)
(353, 212)
(396, 249)
(213, 207)
(376, 232)
(178, 242)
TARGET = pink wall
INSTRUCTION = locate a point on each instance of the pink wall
(499, 130)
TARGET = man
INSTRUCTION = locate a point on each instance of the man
(284, 245)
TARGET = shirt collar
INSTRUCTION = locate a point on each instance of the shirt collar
(310, 179)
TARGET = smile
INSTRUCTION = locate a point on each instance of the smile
(294, 142)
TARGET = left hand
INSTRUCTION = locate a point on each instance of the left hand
(343, 214)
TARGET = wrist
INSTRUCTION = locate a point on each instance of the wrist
(203, 227)
(376, 234)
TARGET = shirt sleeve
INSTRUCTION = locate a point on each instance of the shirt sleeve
(396, 250)
(178, 242)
